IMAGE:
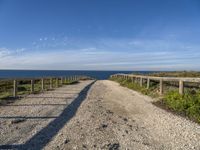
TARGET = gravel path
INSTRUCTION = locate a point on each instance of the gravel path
(105, 116)
(32, 121)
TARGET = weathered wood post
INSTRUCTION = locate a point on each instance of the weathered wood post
(141, 81)
(148, 83)
(181, 87)
(32, 86)
(132, 79)
(61, 82)
(135, 80)
(161, 86)
(15, 88)
(42, 84)
(57, 82)
(51, 83)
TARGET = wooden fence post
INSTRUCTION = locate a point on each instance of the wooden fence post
(132, 79)
(61, 82)
(148, 83)
(57, 84)
(181, 87)
(42, 84)
(51, 83)
(135, 80)
(161, 86)
(141, 81)
(32, 86)
(15, 88)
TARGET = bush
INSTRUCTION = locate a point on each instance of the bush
(188, 104)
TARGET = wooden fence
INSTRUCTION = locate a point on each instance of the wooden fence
(53, 82)
(161, 80)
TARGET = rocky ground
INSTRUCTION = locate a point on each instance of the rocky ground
(103, 116)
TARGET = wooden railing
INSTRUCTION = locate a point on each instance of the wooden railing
(46, 83)
(161, 80)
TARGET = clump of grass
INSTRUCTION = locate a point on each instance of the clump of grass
(187, 104)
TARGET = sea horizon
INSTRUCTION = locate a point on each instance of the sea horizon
(98, 74)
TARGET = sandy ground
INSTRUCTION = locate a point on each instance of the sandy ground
(102, 116)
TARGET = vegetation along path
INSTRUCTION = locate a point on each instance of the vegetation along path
(99, 115)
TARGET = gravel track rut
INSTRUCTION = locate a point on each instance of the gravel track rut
(102, 115)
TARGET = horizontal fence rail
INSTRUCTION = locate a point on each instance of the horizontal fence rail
(44, 83)
(161, 80)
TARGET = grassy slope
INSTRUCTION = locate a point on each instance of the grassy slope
(187, 104)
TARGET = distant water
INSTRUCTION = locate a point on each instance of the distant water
(47, 73)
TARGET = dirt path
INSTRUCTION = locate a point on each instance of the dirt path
(107, 116)
(33, 121)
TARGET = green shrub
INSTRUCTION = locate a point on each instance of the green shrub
(188, 104)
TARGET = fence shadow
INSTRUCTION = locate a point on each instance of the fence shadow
(44, 136)
(31, 105)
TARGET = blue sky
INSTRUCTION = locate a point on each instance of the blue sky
(100, 34)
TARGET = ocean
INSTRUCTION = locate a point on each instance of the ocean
(100, 75)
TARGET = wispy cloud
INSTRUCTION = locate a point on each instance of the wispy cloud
(4, 52)
(103, 54)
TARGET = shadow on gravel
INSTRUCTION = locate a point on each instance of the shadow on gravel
(44, 136)
(49, 97)
(31, 105)
(27, 117)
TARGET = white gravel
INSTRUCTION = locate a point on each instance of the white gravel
(107, 117)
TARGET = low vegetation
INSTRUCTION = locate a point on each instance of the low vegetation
(176, 74)
(24, 87)
(187, 104)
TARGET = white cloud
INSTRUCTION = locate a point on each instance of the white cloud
(104, 54)
(92, 58)
(4, 52)
(20, 50)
